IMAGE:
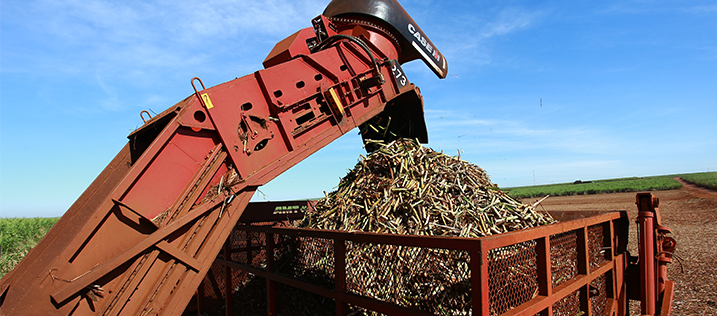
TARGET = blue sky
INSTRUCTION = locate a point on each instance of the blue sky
(628, 88)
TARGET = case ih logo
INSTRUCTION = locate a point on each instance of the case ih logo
(424, 42)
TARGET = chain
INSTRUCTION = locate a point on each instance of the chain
(365, 23)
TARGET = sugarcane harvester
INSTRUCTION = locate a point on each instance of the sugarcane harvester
(141, 238)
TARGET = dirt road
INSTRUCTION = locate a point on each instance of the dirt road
(691, 213)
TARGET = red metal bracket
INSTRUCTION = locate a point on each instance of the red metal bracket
(655, 253)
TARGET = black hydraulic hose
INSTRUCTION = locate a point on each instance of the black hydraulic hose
(354, 39)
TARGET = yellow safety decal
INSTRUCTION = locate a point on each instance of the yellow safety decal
(335, 103)
(207, 101)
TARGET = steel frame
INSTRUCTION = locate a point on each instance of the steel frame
(614, 224)
(656, 250)
(141, 238)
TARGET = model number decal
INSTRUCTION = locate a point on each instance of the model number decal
(398, 74)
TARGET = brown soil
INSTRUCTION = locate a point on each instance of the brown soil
(691, 214)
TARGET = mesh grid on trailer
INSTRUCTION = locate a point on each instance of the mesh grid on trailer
(568, 306)
(308, 259)
(513, 276)
(427, 279)
(596, 245)
(598, 295)
(432, 280)
(563, 257)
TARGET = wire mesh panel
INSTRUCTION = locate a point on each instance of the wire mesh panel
(513, 276)
(248, 290)
(598, 295)
(290, 259)
(563, 257)
(408, 274)
(296, 302)
(211, 291)
(427, 279)
(248, 248)
(596, 245)
(307, 259)
(249, 298)
(248, 293)
(244, 248)
(214, 283)
(568, 306)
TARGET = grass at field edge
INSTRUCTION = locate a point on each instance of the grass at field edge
(636, 184)
(705, 179)
(18, 236)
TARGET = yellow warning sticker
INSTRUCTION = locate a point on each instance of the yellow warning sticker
(207, 101)
(335, 103)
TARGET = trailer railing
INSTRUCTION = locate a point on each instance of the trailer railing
(568, 268)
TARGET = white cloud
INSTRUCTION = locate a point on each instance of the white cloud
(509, 20)
(134, 36)
(470, 42)
(705, 9)
(175, 19)
(450, 130)
(443, 121)
(110, 98)
(652, 7)
(630, 7)
(150, 47)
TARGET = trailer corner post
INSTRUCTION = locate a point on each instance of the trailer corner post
(646, 204)
(545, 284)
(480, 289)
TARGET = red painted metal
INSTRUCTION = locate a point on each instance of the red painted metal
(588, 273)
(648, 288)
(142, 237)
(546, 295)
(668, 296)
(656, 251)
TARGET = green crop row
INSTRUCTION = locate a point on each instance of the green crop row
(596, 187)
(18, 236)
(703, 179)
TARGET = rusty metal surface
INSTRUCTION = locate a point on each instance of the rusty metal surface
(511, 269)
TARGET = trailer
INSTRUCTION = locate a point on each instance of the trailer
(578, 266)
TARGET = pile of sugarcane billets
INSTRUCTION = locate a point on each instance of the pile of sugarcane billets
(405, 188)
